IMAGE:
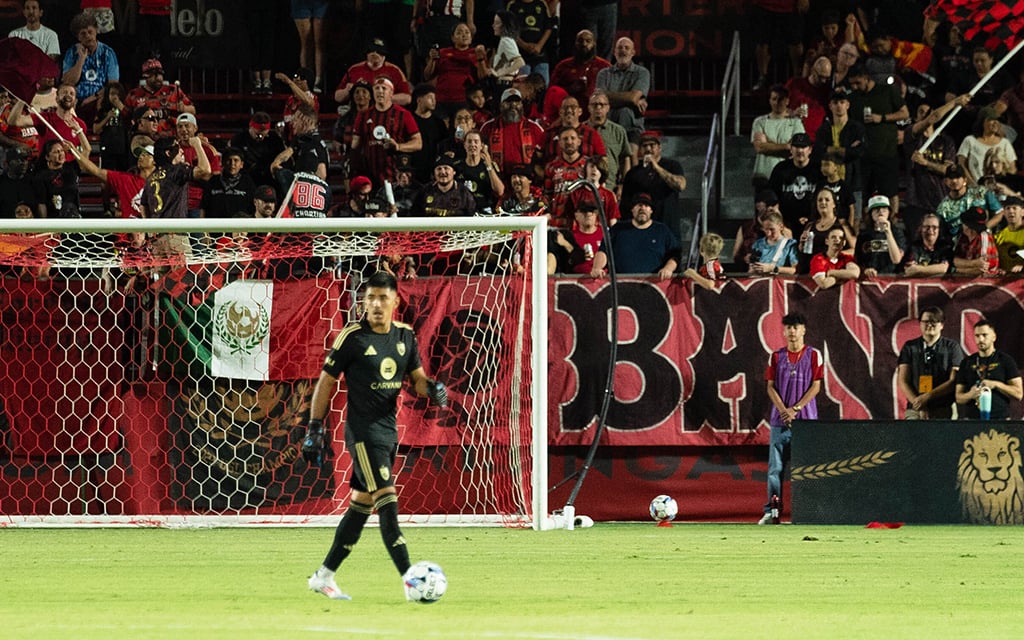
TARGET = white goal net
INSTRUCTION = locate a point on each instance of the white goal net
(160, 377)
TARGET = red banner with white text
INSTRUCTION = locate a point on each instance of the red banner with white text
(690, 368)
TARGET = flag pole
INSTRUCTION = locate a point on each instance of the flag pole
(952, 114)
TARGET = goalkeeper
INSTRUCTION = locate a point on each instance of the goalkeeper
(375, 354)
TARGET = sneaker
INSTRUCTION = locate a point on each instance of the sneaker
(765, 519)
(317, 88)
(328, 587)
(761, 84)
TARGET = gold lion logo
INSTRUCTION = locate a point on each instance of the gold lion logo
(989, 479)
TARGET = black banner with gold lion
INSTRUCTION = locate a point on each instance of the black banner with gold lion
(934, 472)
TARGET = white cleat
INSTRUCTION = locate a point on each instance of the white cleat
(328, 587)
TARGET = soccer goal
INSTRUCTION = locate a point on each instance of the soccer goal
(157, 372)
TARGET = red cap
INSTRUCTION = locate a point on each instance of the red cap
(259, 126)
(152, 65)
(357, 184)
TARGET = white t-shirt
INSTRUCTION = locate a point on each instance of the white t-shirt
(507, 51)
(975, 152)
(43, 37)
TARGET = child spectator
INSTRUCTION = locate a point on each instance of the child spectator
(709, 273)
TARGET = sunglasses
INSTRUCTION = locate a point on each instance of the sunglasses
(151, 118)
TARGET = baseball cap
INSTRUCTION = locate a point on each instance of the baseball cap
(974, 218)
(444, 160)
(1013, 200)
(524, 170)
(642, 198)
(187, 117)
(800, 140)
(377, 46)
(265, 193)
(146, 148)
(358, 183)
(874, 202)
(839, 94)
(650, 135)
(231, 151)
(152, 65)
(510, 93)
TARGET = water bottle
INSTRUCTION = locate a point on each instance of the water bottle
(775, 502)
(985, 403)
(809, 242)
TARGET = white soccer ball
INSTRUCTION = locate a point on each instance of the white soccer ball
(425, 582)
(664, 508)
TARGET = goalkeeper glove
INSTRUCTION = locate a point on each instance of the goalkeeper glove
(437, 393)
(313, 443)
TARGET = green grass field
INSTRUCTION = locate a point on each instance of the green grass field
(613, 581)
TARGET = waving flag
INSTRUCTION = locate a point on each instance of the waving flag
(22, 64)
(995, 24)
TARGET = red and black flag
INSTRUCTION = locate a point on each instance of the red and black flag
(997, 25)
(22, 64)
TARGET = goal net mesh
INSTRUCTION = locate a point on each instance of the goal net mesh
(164, 379)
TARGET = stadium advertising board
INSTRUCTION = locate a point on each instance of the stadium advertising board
(922, 472)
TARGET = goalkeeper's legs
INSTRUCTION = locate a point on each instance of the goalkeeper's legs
(345, 537)
(349, 529)
(386, 503)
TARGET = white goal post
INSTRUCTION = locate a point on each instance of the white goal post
(140, 394)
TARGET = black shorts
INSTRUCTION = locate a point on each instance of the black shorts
(372, 464)
(768, 26)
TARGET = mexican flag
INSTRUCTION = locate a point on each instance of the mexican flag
(251, 329)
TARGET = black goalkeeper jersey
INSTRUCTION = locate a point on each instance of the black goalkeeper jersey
(375, 366)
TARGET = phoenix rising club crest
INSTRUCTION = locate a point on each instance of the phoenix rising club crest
(242, 327)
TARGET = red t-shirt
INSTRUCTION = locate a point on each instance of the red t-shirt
(371, 126)
(456, 69)
(821, 263)
(362, 71)
(128, 187)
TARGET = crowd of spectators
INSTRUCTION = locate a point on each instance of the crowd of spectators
(444, 119)
(440, 120)
(846, 154)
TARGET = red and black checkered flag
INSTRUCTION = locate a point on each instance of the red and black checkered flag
(998, 25)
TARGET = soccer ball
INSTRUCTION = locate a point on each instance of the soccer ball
(425, 582)
(664, 508)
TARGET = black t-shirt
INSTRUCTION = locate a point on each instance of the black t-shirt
(310, 151)
(998, 366)
(933, 363)
(375, 366)
(222, 200)
(795, 186)
(873, 249)
(478, 180)
(57, 190)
